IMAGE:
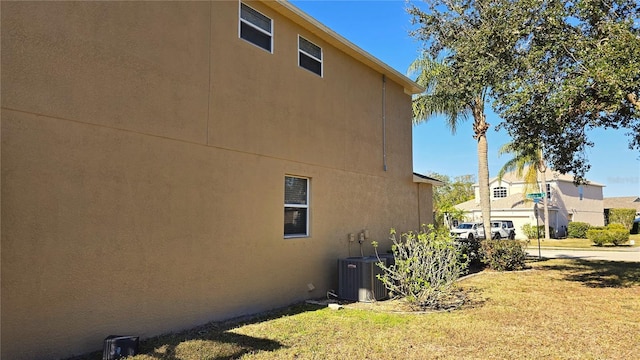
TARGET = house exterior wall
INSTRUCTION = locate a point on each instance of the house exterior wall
(510, 187)
(587, 208)
(144, 150)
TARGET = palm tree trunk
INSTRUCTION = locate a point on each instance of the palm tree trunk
(480, 127)
(483, 181)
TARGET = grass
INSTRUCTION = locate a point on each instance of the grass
(583, 243)
(560, 309)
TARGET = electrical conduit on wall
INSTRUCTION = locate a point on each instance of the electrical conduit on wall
(384, 122)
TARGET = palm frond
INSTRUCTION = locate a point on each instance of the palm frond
(525, 163)
(436, 100)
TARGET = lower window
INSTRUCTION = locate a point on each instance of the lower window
(296, 206)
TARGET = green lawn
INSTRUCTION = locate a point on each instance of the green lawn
(582, 243)
(559, 309)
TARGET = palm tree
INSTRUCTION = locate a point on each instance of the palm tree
(441, 98)
(528, 163)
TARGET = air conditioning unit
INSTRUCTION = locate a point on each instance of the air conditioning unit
(357, 279)
(119, 347)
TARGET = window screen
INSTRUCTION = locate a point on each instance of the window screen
(255, 27)
(309, 55)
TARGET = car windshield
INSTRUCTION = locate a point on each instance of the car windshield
(495, 224)
(465, 226)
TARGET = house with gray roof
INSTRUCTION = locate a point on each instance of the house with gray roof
(567, 202)
(621, 202)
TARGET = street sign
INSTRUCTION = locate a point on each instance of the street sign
(535, 196)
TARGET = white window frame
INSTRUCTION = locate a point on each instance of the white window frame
(302, 206)
(256, 27)
(502, 190)
(301, 51)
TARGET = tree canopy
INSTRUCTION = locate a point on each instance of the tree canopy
(460, 66)
(553, 69)
(577, 67)
(452, 192)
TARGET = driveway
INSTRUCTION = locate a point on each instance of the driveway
(631, 255)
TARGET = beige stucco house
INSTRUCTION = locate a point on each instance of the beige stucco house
(166, 164)
(567, 202)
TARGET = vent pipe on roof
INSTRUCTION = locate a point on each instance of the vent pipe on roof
(384, 122)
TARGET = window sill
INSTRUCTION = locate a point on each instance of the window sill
(301, 236)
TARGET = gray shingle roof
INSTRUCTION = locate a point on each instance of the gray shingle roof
(622, 202)
(514, 201)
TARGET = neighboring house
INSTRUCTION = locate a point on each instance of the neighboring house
(167, 164)
(621, 202)
(567, 203)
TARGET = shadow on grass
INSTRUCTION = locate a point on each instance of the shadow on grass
(212, 341)
(598, 273)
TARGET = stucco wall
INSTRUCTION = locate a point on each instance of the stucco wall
(144, 149)
(589, 208)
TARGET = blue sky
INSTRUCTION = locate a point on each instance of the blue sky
(381, 28)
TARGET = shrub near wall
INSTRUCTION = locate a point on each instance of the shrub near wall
(622, 216)
(426, 267)
(577, 230)
(530, 231)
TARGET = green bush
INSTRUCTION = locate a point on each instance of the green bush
(618, 236)
(616, 226)
(426, 267)
(577, 230)
(598, 236)
(622, 216)
(504, 255)
(470, 253)
(614, 234)
(530, 231)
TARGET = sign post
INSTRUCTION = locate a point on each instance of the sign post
(535, 210)
(536, 199)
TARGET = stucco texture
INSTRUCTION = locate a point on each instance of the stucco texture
(144, 150)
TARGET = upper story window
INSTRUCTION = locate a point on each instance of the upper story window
(296, 206)
(256, 28)
(549, 191)
(500, 192)
(580, 192)
(309, 56)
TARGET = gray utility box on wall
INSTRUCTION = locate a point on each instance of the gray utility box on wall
(357, 279)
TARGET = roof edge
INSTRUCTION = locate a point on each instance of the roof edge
(419, 178)
(317, 28)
